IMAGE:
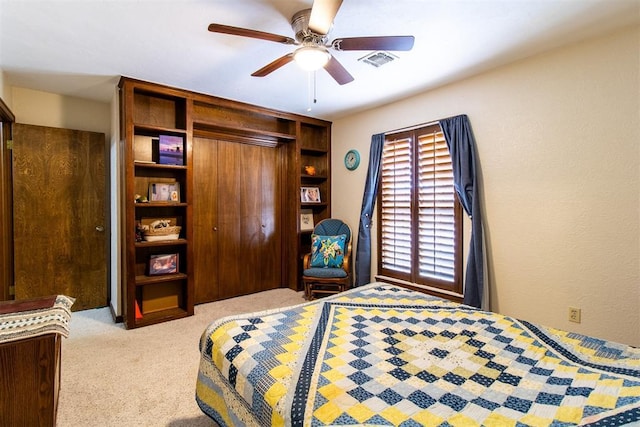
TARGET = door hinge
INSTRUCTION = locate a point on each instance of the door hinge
(9, 144)
(12, 290)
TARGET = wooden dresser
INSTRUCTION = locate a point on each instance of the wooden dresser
(30, 353)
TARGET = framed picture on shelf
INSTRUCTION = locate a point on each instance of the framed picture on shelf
(170, 150)
(163, 264)
(310, 195)
(306, 220)
(164, 192)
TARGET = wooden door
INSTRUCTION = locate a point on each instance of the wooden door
(237, 231)
(59, 208)
(205, 218)
(232, 260)
(268, 249)
(6, 210)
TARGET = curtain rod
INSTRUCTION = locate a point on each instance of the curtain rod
(435, 122)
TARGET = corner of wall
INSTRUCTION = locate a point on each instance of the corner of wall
(115, 281)
(5, 89)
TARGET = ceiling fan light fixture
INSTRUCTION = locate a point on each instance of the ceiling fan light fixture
(311, 58)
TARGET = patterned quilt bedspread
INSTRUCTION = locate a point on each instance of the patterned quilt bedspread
(385, 355)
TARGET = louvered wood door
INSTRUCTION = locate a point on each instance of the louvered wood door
(59, 210)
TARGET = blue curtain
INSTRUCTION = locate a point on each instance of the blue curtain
(461, 143)
(363, 253)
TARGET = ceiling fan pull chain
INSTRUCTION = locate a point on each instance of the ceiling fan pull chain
(315, 100)
(311, 87)
(309, 95)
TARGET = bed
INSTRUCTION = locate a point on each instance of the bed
(386, 355)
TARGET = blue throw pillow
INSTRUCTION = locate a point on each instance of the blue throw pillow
(327, 251)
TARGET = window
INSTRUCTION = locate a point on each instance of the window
(420, 218)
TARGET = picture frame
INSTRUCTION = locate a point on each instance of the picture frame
(170, 150)
(165, 192)
(310, 195)
(306, 220)
(163, 264)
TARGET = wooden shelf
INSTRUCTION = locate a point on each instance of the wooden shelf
(308, 177)
(150, 280)
(145, 244)
(313, 205)
(158, 166)
(161, 316)
(159, 205)
(146, 129)
(244, 131)
(313, 151)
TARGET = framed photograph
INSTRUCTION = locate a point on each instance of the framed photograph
(310, 195)
(170, 150)
(164, 192)
(306, 220)
(163, 264)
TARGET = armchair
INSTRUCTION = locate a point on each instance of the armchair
(326, 270)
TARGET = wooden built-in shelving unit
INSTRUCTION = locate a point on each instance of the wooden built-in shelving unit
(149, 110)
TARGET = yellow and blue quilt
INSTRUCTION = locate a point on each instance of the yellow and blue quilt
(385, 355)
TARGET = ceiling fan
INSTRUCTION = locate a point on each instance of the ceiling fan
(311, 27)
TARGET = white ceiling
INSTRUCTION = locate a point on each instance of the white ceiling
(81, 47)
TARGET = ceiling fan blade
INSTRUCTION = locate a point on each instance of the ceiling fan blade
(322, 14)
(338, 72)
(269, 68)
(244, 32)
(374, 43)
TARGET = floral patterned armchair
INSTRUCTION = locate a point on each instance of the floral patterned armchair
(327, 267)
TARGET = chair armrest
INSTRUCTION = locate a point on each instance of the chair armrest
(347, 260)
(306, 262)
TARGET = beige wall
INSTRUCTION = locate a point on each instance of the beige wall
(558, 146)
(34, 107)
(2, 87)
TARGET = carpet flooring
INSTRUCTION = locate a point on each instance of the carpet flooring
(147, 376)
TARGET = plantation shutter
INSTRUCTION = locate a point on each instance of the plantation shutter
(395, 207)
(420, 216)
(436, 209)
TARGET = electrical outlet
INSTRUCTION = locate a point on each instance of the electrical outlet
(574, 314)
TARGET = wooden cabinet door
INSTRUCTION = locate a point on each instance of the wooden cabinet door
(237, 232)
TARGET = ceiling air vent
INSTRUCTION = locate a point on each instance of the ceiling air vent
(378, 59)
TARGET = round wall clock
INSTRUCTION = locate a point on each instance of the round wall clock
(352, 159)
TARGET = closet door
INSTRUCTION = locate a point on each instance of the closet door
(237, 231)
(232, 262)
(271, 236)
(205, 208)
(260, 208)
(248, 219)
